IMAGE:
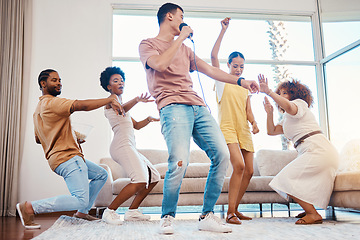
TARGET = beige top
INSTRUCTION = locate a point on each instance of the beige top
(53, 128)
(174, 85)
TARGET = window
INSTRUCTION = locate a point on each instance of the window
(342, 89)
(340, 34)
(292, 45)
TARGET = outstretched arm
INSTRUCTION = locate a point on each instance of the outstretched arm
(222, 76)
(92, 104)
(142, 98)
(270, 126)
(216, 48)
(143, 123)
(284, 103)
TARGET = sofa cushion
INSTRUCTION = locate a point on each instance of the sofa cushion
(260, 184)
(198, 156)
(270, 162)
(350, 156)
(194, 170)
(155, 156)
(347, 181)
(119, 184)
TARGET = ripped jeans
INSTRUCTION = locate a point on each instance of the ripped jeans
(179, 123)
(76, 173)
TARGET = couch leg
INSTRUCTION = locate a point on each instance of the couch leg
(222, 213)
(288, 205)
(260, 209)
(330, 213)
(98, 209)
(272, 208)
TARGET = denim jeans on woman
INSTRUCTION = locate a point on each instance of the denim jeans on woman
(179, 123)
(76, 174)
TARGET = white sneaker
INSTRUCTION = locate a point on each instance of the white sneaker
(135, 215)
(111, 217)
(213, 224)
(166, 225)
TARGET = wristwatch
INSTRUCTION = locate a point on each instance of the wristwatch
(239, 81)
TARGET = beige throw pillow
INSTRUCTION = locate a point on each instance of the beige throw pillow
(270, 162)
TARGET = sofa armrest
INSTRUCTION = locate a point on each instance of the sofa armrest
(105, 196)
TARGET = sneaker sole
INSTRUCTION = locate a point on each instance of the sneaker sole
(136, 219)
(22, 220)
(229, 231)
(120, 223)
(168, 232)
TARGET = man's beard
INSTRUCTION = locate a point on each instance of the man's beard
(54, 92)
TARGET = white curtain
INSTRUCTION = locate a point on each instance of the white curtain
(11, 78)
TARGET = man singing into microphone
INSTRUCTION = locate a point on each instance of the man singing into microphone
(183, 114)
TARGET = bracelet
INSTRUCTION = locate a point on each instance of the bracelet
(239, 81)
(148, 119)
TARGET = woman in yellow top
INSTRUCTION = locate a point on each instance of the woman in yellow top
(234, 114)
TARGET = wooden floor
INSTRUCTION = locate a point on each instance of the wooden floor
(12, 229)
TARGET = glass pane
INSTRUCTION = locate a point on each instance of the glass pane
(342, 93)
(252, 38)
(127, 37)
(340, 34)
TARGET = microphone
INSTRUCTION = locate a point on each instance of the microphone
(183, 25)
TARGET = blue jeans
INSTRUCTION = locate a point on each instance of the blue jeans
(76, 174)
(179, 123)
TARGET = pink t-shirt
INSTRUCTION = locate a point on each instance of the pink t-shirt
(174, 85)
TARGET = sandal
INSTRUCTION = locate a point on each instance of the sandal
(308, 220)
(232, 219)
(242, 216)
(301, 215)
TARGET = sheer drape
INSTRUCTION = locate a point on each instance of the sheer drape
(11, 78)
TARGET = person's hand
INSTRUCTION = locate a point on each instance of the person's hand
(152, 119)
(267, 106)
(115, 105)
(225, 23)
(144, 98)
(251, 85)
(255, 128)
(263, 82)
(185, 32)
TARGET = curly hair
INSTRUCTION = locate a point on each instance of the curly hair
(106, 75)
(296, 90)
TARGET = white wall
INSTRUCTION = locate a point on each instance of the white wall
(344, 10)
(74, 38)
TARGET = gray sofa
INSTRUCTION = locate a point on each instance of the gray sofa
(267, 163)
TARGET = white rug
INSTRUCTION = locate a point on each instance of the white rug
(259, 228)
